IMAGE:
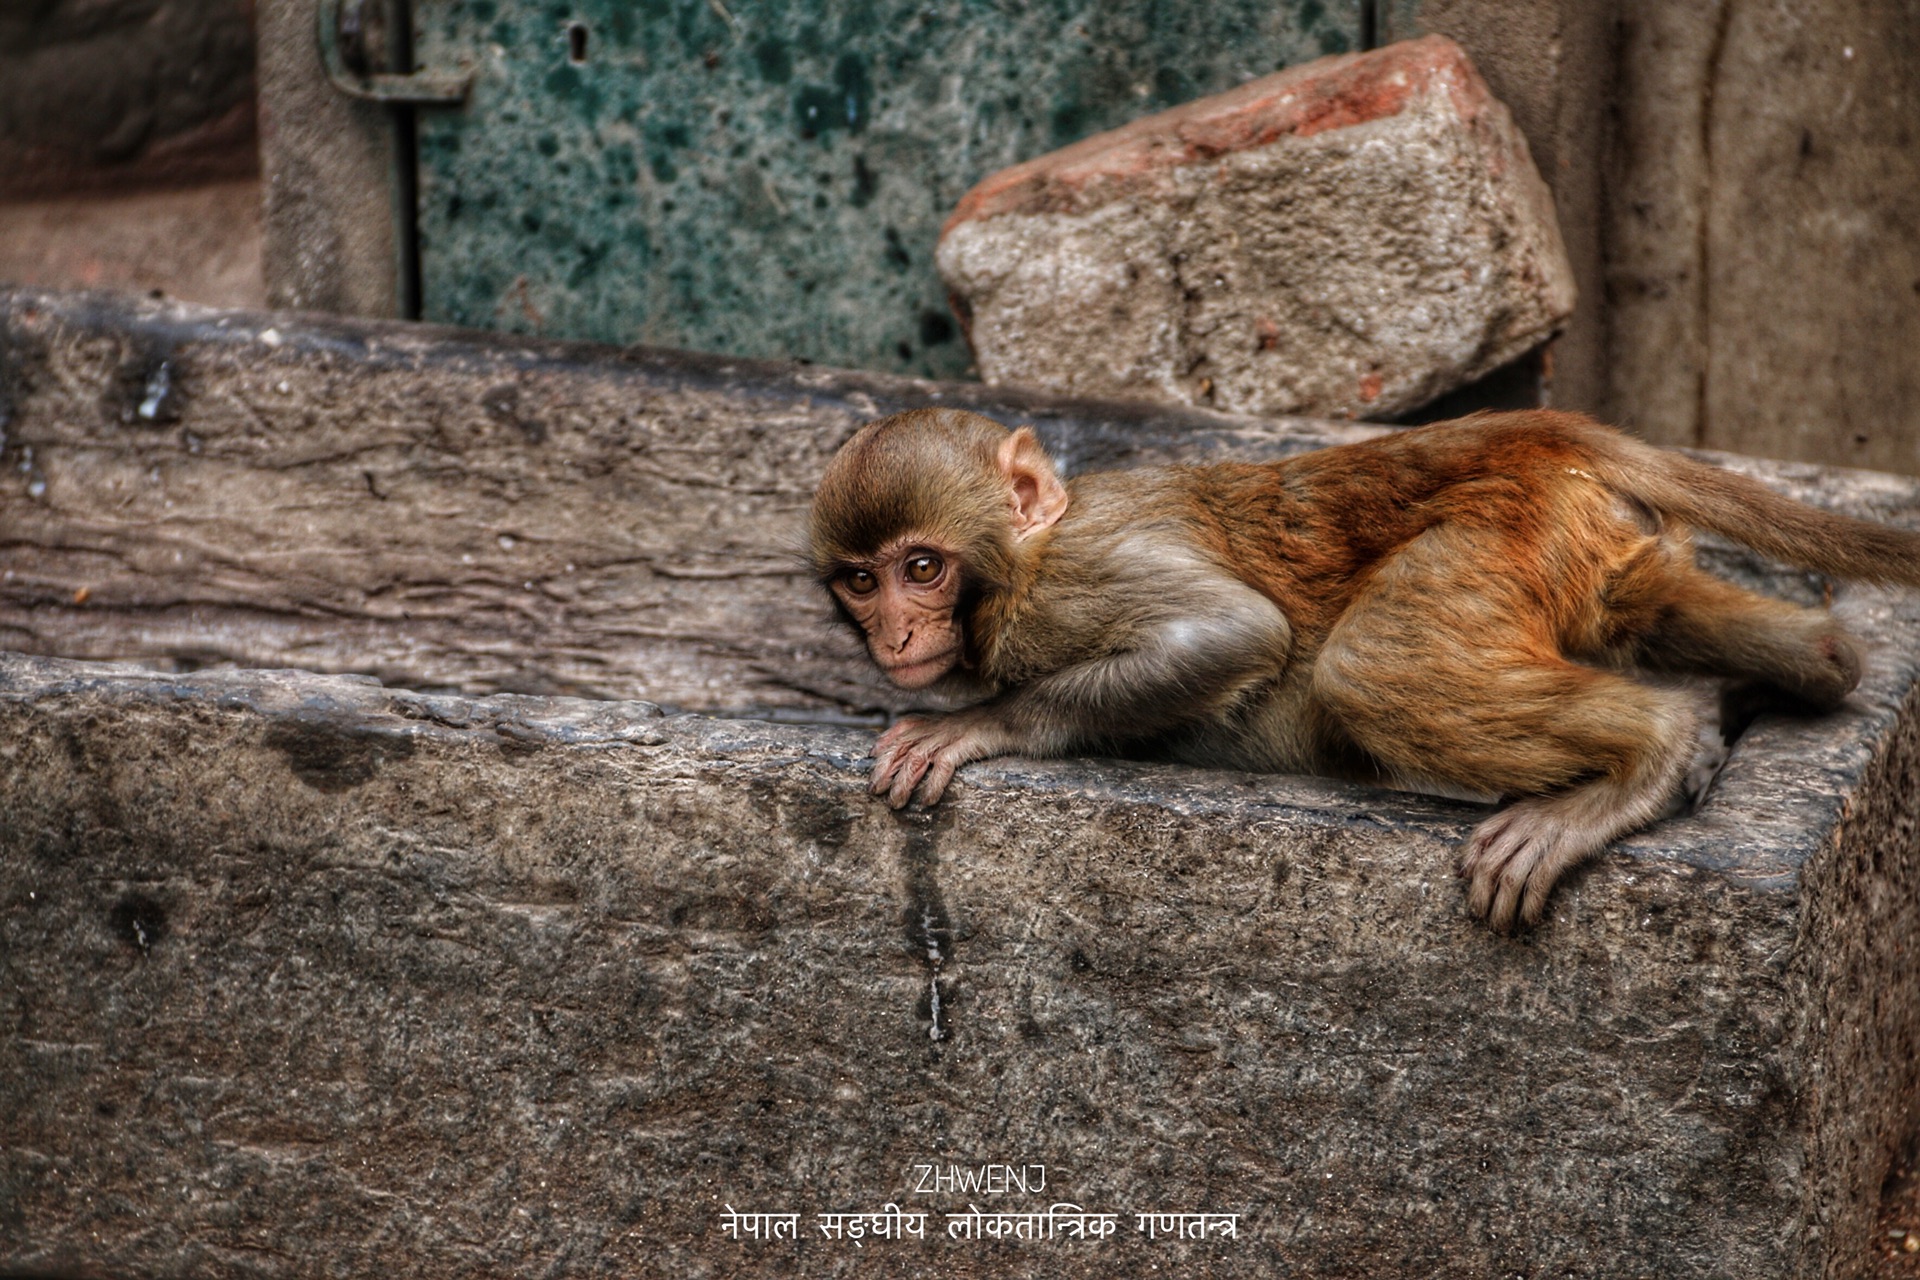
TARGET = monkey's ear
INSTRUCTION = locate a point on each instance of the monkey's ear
(1039, 499)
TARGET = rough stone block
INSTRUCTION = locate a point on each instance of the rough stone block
(1352, 237)
(304, 976)
(451, 510)
(301, 975)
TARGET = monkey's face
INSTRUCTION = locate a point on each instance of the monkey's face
(906, 601)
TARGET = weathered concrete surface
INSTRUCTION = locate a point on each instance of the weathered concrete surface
(300, 976)
(1766, 246)
(199, 245)
(123, 94)
(453, 510)
(336, 224)
(449, 509)
(1354, 236)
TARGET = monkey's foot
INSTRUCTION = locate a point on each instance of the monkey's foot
(1710, 756)
(1514, 858)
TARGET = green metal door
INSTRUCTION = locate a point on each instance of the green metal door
(769, 177)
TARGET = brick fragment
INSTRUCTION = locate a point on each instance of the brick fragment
(1350, 237)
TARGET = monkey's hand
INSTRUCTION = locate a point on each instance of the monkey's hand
(923, 752)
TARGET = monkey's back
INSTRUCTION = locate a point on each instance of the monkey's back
(1312, 529)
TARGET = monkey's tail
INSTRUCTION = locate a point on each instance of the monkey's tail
(1750, 513)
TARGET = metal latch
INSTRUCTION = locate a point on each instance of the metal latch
(346, 34)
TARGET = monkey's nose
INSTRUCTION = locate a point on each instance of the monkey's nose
(905, 640)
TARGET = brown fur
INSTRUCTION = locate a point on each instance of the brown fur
(1462, 606)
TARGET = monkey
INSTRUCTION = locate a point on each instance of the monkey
(1494, 606)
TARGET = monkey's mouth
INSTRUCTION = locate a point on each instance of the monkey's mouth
(922, 671)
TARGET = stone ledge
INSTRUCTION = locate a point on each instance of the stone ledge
(451, 509)
(295, 967)
(299, 968)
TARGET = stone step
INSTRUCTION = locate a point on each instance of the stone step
(299, 972)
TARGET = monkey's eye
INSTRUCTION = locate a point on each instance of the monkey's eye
(924, 569)
(859, 581)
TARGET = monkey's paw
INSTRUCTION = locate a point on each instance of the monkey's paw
(923, 752)
(1514, 858)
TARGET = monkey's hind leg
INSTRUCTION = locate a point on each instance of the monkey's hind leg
(1513, 859)
(1708, 625)
(1442, 671)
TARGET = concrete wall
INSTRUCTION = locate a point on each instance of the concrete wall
(113, 94)
(128, 154)
(335, 236)
(1737, 182)
(1552, 64)
(1764, 223)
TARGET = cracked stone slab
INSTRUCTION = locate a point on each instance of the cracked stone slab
(1352, 237)
(458, 510)
(441, 508)
(300, 973)
(303, 975)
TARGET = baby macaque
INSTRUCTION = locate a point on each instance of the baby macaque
(1461, 607)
